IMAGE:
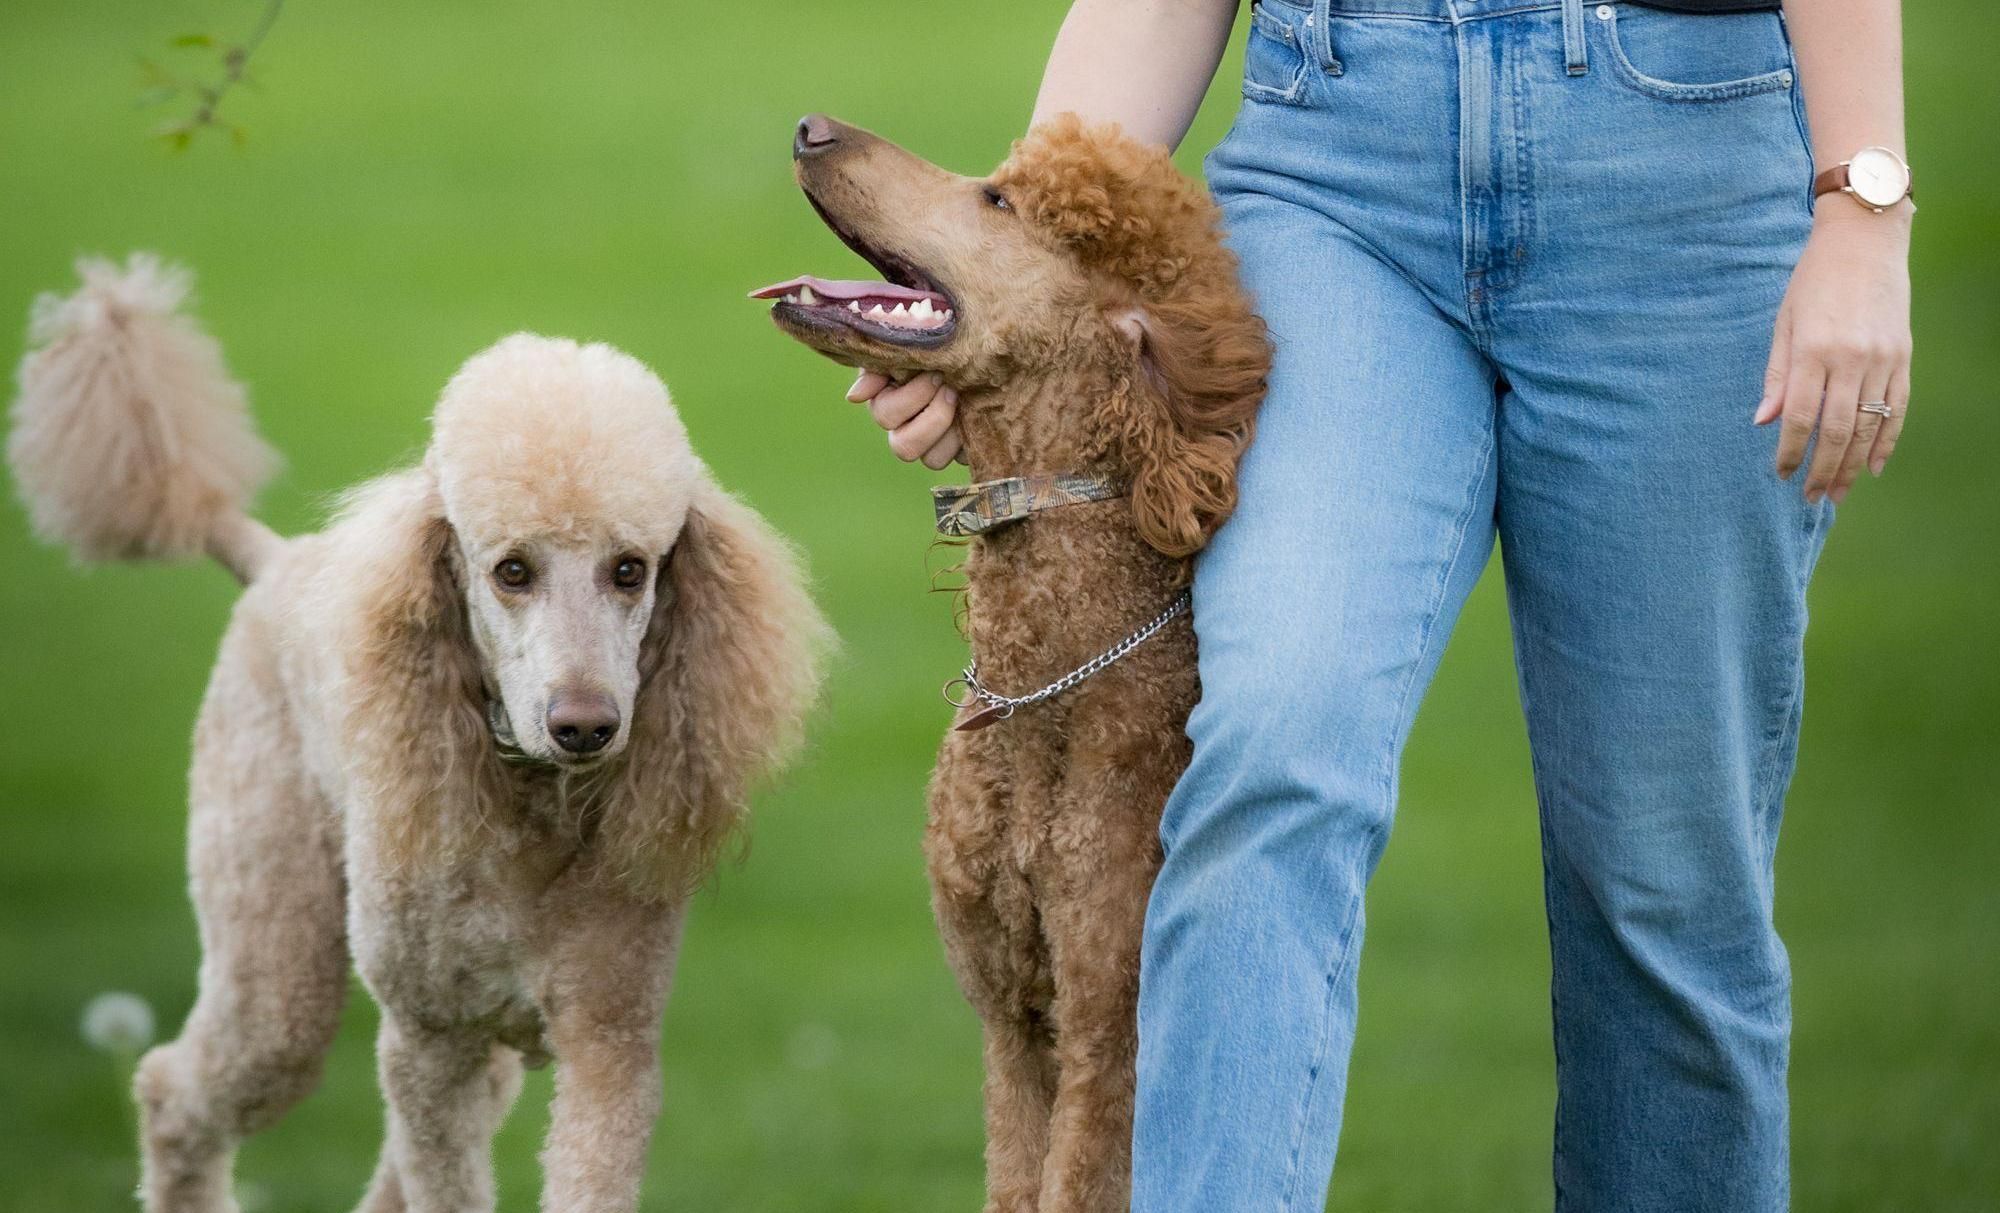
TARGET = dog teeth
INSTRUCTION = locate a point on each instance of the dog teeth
(807, 297)
(922, 314)
(791, 297)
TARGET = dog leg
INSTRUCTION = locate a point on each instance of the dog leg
(489, 1100)
(607, 1098)
(1094, 910)
(1088, 1168)
(266, 879)
(985, 913)
(1020, 1092)
(447, 1091)
(604, 992)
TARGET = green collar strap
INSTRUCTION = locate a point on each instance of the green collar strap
(973, 509)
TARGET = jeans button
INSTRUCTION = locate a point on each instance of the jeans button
(1604, 12)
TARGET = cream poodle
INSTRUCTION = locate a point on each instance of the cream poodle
(482, 735)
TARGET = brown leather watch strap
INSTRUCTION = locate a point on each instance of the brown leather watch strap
(1831, 180)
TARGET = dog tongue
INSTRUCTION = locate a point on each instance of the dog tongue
(844, 289)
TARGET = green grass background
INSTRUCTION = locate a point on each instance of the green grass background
(422, 178)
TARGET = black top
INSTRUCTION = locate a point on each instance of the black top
(1713, 6)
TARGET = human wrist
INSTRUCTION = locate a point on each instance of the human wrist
(1853, 221)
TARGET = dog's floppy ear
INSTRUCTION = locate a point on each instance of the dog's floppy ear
(1181, 415)
(1194, 352)
(409, 702)
(730, 665)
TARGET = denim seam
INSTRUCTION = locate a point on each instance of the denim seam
(1344, 955)
(1799, 120)
(1320, 22)
(1524, 193)
(1668, 90)
(1548, 910)
(1770, 787)
(1464, 525)
(1465, 251)
(1279, 32)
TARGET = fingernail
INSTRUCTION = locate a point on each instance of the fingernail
(1757, 417)
(854, 387)
(1876, 465)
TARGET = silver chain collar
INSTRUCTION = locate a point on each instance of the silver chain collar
(1000, 707)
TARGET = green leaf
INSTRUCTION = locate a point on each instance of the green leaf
(153, 74)
(194, 40)
(176, 135)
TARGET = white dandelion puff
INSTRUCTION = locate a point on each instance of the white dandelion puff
(118, 1023)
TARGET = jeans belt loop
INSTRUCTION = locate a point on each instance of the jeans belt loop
(1574, 56)
(1320, 23)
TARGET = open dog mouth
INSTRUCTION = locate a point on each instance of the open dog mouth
(906, 308)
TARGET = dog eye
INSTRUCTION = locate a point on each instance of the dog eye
(997, 200)
(513, 573)
(629, 573)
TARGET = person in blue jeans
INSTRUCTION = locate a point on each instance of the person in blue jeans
(1546, 272)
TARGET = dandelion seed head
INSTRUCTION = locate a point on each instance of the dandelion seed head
(117, 1022)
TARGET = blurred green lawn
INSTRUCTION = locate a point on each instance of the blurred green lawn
(422, 178)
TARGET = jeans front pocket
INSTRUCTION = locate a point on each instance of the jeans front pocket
(1706, 57)
(1274, 61)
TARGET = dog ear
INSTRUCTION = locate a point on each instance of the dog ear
(409, 702)
(1194, 353)
(1181, 415)
(730, 665)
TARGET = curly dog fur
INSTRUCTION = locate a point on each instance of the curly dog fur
(1100, 329)
(348, 799)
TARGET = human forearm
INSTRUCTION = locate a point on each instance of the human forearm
(1850, 55)
(1840, 354)
(1143, 64)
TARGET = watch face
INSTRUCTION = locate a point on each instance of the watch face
(1879, 176)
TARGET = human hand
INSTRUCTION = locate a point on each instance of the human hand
(1842, 340)
(921, 415)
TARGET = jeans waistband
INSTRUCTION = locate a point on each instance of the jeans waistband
(1421, 10)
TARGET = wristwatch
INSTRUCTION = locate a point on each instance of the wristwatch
(1875, 177)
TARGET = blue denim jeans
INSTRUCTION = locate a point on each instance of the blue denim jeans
(1521, 262)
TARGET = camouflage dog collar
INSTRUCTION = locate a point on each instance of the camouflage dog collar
(973, 509)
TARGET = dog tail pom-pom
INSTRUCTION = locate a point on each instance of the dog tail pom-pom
(130, 440)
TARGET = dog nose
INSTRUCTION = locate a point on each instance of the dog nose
(816, 134)
(583, 724)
